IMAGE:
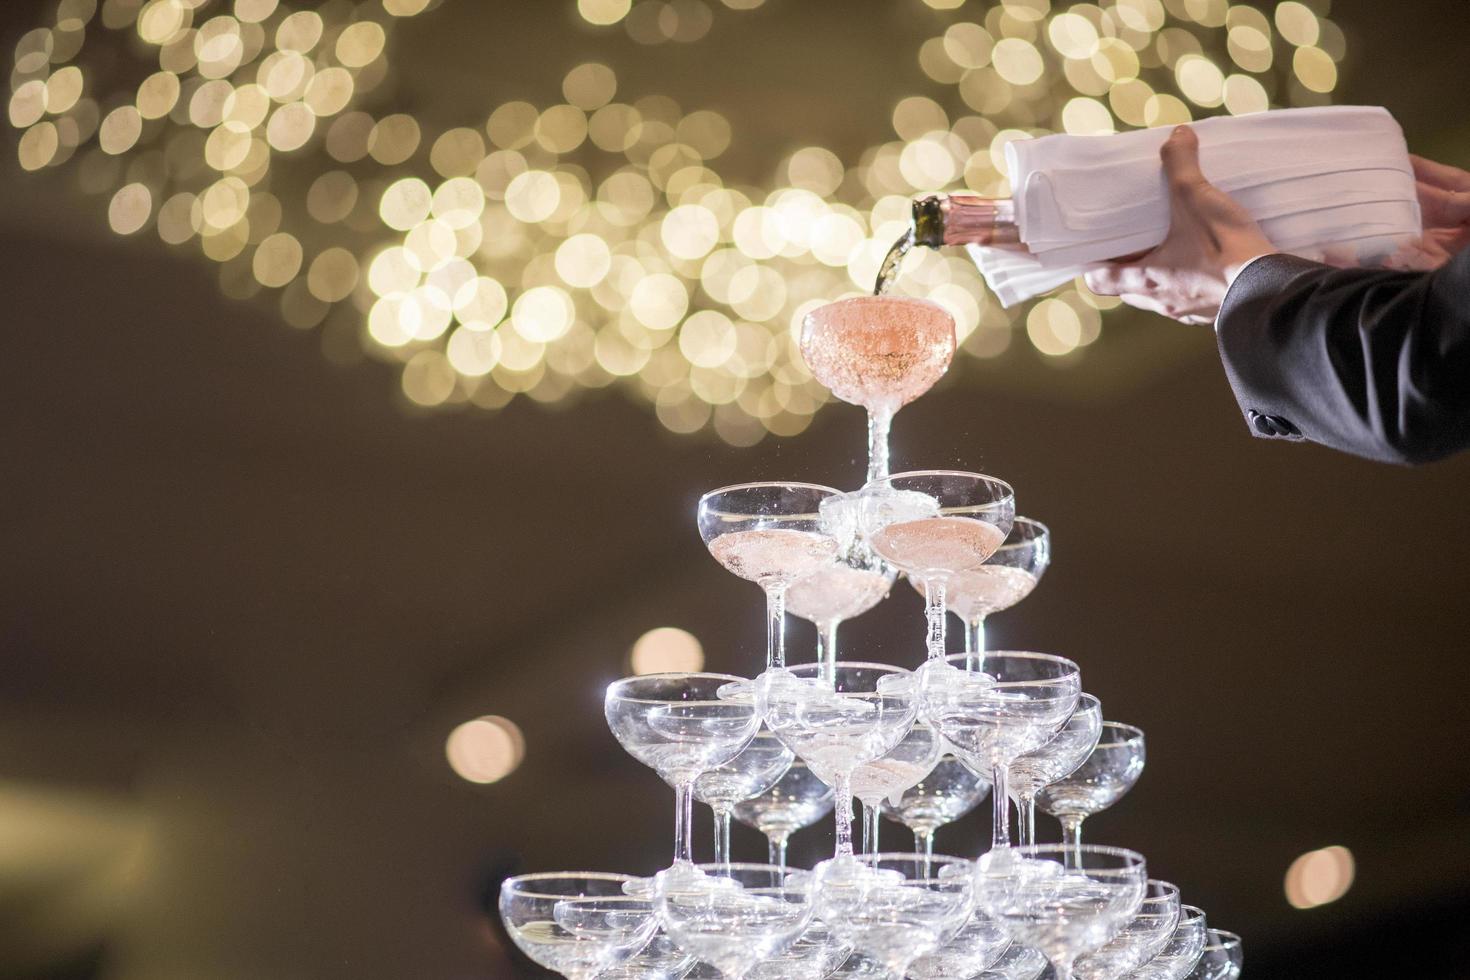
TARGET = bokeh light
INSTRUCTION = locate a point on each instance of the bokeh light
(1320, 877)
(485, 750)
(588, 238)
(666, 649)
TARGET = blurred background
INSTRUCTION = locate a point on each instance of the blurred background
(278, 518)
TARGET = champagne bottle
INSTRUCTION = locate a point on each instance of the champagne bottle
(953, 219)
(964, 219)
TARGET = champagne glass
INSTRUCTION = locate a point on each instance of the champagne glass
(856, 582)
(906, 763)
(977, 946)
(734, 916)
(879, 352)
(1016, 963)
(576, 923)
(677, 725)
(814, 956)
(950, 790)
(1222, 959)
(1016, 704)
(660, 959)
(755, 770)
(1061, 900)
(1109, 773)
(1007, 577)
(895, 908)
(1067, 750)
(798, 799)
(1181, 951)
(932, 524)
(1139, 941)
(770, 534)
(837, 720)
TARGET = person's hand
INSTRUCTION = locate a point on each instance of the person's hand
(1210, 238)
(1444, 198)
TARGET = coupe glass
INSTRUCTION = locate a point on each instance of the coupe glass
(950, 790)
(856, 582)
(1017, 963)
(978, 945)
(1140, 940)
(1182, 950)
(879, 352)
(1067, 750)
(799, 799)
(1061, 900)
(734, 916)
(1007, 577)
(576, 923)
(932, 524)
(814, 956)
(660, 959)
(838, 719)
(1107, 775)
(913, 758)
(1222, 958)
(677, 725)
(991, 717)
(770, 534)
(758, 767)
(895, 908)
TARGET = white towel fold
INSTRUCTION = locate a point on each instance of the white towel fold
(1334, 179)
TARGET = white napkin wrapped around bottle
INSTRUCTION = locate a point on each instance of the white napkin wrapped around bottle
(1323, 182)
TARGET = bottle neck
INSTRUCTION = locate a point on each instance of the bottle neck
(963, 219)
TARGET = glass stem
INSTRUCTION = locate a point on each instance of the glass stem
(722, 834)
(879, 423)
(683, 817)
(827, 649)
(842, 806)
(776, 849)
(1072, 834)
(870, 829)
(975, 641)
(924, 843)
(775, 626)
(1026, 818)
(1000, 835)
(934, 612)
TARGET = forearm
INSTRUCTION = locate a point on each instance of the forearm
(1372, 362)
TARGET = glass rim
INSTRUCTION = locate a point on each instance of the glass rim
(865, 664)
(1193, 910)
(612, 691)
(863, 299)
(766, 484)
(1221, 939)
(608, 876)
(984, 655)
(1135, 734)
(1029, 850)
(1010, 490)
(1029, 542)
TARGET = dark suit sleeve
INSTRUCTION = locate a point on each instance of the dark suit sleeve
(1369, 361)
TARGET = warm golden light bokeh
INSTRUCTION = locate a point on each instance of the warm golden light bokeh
(581, 241)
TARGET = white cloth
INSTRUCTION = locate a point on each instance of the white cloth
(1335, 178)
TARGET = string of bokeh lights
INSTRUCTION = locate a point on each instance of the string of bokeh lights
(591, 241)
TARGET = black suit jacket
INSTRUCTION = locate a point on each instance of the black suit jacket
(1369, 361)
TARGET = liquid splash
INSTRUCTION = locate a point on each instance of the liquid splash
(888, 271)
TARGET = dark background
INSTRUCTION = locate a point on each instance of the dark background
(245, 594)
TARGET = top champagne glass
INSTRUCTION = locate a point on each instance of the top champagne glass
(880, 352)
(934, 524)
(770, 534)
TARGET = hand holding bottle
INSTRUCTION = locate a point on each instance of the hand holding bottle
(1211, 238)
